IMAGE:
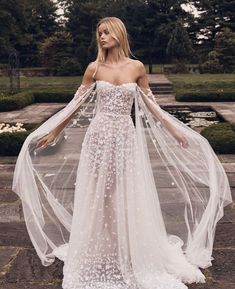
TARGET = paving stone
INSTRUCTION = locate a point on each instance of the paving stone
(32, 270)
(7, 196)
(25, 115)
(224, 235)
(233, 193)
(14, 234)
(231, 179)
(6, 255)
(11, 211)
(212, 286)
(229, 214)
(223, 268)
(19, 285)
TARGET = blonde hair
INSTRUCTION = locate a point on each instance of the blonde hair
(118, 31)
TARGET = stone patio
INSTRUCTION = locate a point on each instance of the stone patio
(20, 267)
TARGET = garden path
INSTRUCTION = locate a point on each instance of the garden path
(20, 267)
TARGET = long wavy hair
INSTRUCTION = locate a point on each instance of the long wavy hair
(118, 31)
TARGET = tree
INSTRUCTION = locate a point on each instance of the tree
(225, 48)
(149, 25)
(24, 24)
(12, 21)
(179, 47)
(214, 16)
(57, 55)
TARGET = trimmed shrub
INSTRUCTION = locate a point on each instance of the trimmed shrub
(212, 65)
(20, 100)
(70, 66)
(221, 137)
(11, 143)
(16, 101)
(53, 96)
(205, 96)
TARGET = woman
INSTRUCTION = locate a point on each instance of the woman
(94, 198)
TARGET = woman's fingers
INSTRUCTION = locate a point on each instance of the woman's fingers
(183, 142)
(42, 143)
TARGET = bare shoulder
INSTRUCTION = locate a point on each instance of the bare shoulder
(142, 79)
(88, 75)
(139, 66)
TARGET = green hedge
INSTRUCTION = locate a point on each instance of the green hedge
(16, 101)
(221, 137)
(11, 143)
(22, 99)
(205, 96)
(55, 96)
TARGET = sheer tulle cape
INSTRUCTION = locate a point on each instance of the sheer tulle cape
(189, 184)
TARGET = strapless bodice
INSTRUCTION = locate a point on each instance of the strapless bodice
(115, 99)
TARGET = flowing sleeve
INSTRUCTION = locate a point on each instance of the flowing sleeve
(44, 178)
(190, 182)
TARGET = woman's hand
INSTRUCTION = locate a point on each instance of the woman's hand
(182, 140)
(46, 140)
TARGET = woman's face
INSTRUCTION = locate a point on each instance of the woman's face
(105, 38)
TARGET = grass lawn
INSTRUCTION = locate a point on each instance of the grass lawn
(202, 82)
(48, 82)
(181, 82)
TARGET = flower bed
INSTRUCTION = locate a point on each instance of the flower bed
(12, 137)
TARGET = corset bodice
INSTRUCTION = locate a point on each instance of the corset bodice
(115, 99)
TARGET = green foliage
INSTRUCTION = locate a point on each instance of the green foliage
(46, 96)
(215, 15)
(69, 67)
(212, 65)
(179, 67)
(179, 47)
(202, 96)
(11, 143)
(56, 49)
(149, 25)
(221, 137)
(23, 99)
(24, 24)
(225, 49)
(16, 101)
(202, 82)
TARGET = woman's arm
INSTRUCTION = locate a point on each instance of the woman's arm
(149, 101)
(87, 80)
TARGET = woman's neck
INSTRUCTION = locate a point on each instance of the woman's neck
(113, 58)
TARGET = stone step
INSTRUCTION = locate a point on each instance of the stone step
(14, 233)
(213, 285)
(11, 270)
(161, 88)
(6, 173)
(166, 92)
(159, 84)
(20, 285)
(220, 275)
(7, 196)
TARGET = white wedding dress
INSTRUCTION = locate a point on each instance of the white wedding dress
(121, 203)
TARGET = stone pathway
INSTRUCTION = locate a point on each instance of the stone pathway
(35, 113)
(16, 249)
(20, 266)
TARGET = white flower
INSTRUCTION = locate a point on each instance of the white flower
(11, 128)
